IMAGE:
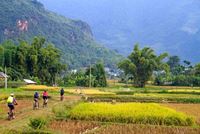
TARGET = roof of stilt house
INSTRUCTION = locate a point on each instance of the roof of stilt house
(29, 81)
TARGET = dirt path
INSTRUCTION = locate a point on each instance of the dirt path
(24, 112)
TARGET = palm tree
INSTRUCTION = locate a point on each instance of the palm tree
(141, 63)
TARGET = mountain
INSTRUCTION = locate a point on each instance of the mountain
(24, 19)
(165, 25)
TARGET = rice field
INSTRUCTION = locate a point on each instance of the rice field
(137, 113)
(184, 91)
(39, 88)
(172, 87)
(165, 111)
(166, 95)
(147, 97)
(109, 118)
(88, 92)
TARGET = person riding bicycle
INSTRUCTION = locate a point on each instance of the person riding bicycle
(45, 97)
(62, 94)
(36, 96)
(36, 100)
(11, 101)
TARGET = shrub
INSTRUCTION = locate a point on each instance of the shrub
(37, 80)
(159, 81)
(83, 81)
(62, 111)
(31, 131)
(38, 123)
(182, 80)
(12, 84)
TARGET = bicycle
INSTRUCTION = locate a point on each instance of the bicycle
(11, 115)
(35, 104)
(61, 97)
(45, 103)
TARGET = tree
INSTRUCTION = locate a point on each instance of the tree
(36, 60)
(9, 52)
(175, 66)
(48, 63)
(2, 56)
(141, 63)
(188, 68)
(98, 75)
(197, 69)
(173, 62)
(187, 63)
(21, 58)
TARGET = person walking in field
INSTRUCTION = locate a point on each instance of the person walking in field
(62, 92)
(11, 101)
(45, 98)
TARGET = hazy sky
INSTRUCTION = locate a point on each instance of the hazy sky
(165, 25)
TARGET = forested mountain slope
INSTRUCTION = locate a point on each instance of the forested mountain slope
(165, 25)
(24, 19)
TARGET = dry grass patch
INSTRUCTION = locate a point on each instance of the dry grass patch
(145, 129)
(73, 127)
(189, 109)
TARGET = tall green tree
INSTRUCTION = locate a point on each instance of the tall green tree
(22, 52)
(98, 75)
(188, 68)
(141, 63)
(197, 69)
(36, 60)
(173, 62)
(175, 66)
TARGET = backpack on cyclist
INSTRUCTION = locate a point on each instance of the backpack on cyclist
(10, 99)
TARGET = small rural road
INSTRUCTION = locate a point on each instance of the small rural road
(24, 111)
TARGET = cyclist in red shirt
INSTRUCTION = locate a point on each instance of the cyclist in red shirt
(45, 98)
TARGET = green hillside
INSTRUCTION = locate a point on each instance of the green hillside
(24, 19)
(165, 25)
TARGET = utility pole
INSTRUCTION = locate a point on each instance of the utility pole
(90, 77)
(6, 80)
